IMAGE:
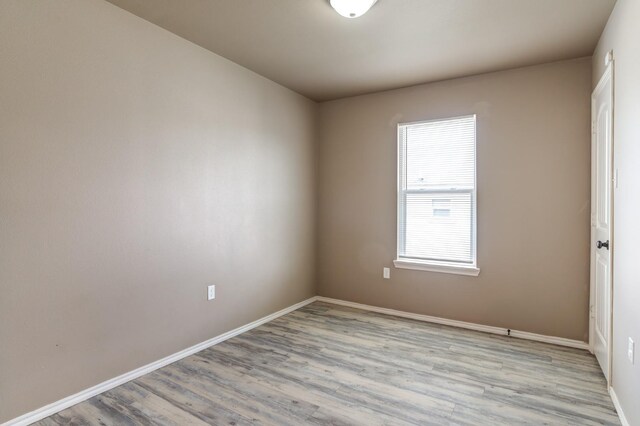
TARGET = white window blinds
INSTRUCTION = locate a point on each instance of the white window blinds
(437, 191)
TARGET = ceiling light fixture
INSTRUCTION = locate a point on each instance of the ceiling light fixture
(352, 8)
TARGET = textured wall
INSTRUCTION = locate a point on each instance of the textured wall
(533, 150)
(135, 169)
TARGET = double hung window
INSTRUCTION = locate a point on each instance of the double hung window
(437, 195)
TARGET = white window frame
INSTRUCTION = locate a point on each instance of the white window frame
(434, 265)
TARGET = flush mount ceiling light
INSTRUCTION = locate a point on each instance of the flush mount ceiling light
(352, 8)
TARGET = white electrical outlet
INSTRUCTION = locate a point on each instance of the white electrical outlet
(631, 350)
(386, 273)
(211, 292)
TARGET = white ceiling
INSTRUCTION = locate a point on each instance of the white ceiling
(306, 46)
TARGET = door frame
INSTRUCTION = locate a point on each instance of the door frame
(607, 75)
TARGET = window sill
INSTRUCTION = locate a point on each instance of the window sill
(437, 267)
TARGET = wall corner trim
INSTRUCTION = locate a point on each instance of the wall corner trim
(71, 400)
(616, 403)
(561, 341)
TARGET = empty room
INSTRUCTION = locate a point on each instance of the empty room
(319, 212)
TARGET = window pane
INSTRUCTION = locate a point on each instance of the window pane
(441, 154)
(438, 226)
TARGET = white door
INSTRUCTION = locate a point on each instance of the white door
(601, 218)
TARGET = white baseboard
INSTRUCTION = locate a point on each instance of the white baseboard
(471, 326)
(67, 402)
(616, 403)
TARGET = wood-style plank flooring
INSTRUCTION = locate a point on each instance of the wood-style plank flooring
(326, 364)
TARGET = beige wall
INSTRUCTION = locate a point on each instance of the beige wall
(622, 35)
(135, 169)
(533, 200)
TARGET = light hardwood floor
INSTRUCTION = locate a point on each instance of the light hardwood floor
(326, 364)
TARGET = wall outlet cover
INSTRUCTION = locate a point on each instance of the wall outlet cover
(386, 273)
(211, 292)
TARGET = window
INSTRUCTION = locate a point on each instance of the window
(437, 195)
